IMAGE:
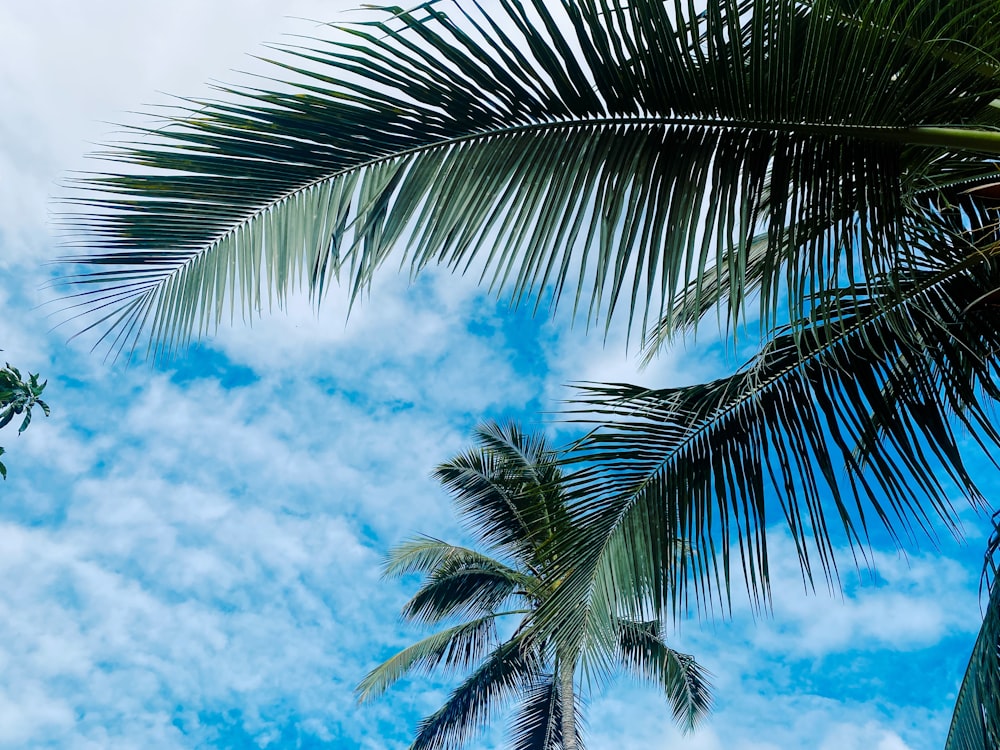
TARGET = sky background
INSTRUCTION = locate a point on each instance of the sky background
(189, 553)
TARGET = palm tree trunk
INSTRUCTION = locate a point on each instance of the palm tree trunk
(567, 704)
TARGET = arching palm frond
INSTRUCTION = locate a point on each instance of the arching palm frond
(422, 554)
(591, 150)
(467, 590)
(458, 647)
(698, 463)
(506, 673)
(684, 681)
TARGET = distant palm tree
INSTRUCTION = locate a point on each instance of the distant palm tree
(509, 491)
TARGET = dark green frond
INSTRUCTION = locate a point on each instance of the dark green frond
(975, 724)
(454, 648)
(595, 151)
(508, 491)
(506, 673)
(538, 722)
(685, 682)
(698, 463)
(467, 590)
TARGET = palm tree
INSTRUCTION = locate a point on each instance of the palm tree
(823, 165)
(509, 492)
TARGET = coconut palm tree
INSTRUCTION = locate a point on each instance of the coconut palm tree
(509, 491)
(822, 166)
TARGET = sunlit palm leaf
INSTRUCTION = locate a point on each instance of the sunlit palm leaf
(683, 680)
(422, 554)
(599, 148)
(455, 648)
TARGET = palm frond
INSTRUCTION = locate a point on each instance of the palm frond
(705, 294)
(975, 724)
(538, 722)
(537, 725)
(424, 554)
(507, 490)
(699, 463)
(467, 591)
(506, 673)
(684, 681)
(454, 648)
(599, 150)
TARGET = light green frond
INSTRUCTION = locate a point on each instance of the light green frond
(455, 648)
(424, 554)
(684, 681)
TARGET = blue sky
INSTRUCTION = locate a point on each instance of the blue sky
(190, 551)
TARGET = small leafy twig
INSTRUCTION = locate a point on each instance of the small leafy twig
(18, 396)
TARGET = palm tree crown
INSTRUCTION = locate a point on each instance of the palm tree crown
(509, 491)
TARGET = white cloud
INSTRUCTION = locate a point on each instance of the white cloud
(914, 602)
(70, 70)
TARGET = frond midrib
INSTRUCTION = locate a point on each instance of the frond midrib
(965, 138)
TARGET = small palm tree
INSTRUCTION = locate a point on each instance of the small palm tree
(510, 492)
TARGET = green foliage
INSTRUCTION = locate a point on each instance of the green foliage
(860, 399)
(509, 493)
(18, 397)
(818, 165)
(975, 724)
(595, 150)
(633, 157)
